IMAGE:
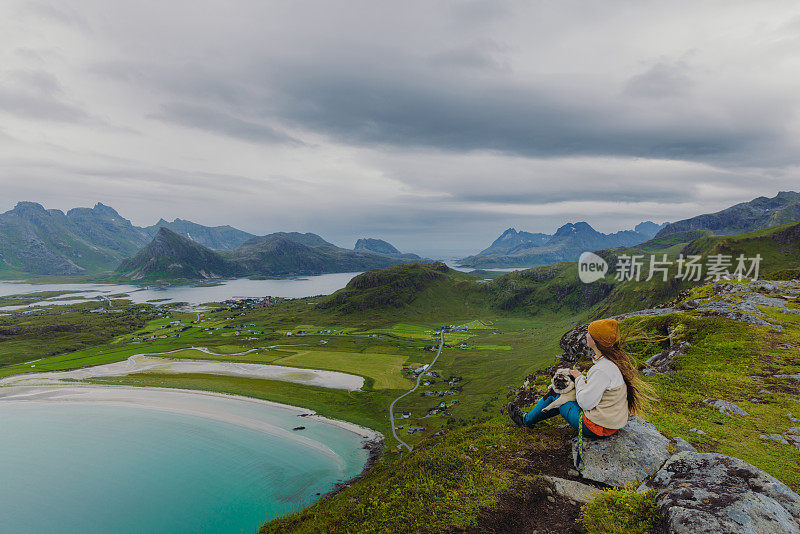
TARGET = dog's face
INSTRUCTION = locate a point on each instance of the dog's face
(562, 381)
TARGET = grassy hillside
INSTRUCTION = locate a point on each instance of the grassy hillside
(759, 213)
(415, 291)
(778, 246)
(486, 477)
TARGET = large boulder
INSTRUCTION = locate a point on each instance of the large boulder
(709, 493)
(626, 457)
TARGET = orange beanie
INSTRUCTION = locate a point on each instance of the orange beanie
(604, 332)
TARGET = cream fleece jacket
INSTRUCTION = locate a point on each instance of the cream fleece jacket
(603, 375)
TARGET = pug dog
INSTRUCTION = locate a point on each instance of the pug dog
(562, 383)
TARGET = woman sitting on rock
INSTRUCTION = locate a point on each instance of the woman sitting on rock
(609, 393)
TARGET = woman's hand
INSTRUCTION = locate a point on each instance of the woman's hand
(575, 373)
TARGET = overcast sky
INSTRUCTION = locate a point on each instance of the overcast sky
(433, 125)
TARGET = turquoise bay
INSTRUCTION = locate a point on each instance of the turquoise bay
(88, 467)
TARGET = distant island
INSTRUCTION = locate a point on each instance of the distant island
(525, 249)
(171, 256)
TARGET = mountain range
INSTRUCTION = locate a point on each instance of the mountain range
(39, 241)
(525, 249)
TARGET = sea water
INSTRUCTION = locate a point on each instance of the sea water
(306, 286)
(94, 468)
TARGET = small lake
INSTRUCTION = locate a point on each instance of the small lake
(77, 468)
(307, 286)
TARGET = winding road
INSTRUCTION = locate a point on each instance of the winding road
(419, 379)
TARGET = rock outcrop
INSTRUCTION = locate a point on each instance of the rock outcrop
(628, 456)
(709, 493)
(740, 301)
(725, 407)
(662, 362)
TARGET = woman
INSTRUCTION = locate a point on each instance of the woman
(609, 393)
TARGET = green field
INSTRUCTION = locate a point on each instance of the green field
(384, 369)
(422, 332)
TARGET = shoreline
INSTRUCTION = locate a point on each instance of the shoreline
(135, 396)
(375, 451)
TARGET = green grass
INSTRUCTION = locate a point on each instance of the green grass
(783, 274)
(384, 369)
(442, 486)
(620, 511)
(422, 332)
(83, 358)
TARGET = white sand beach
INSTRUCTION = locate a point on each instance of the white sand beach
(141, 363)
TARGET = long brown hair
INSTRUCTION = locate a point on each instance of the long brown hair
(640, 393)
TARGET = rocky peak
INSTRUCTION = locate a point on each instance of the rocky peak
(375, 245)
(570, 229)
(108, 211)
(511, 233)
(25, 208)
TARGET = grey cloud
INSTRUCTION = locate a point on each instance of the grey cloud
(216, 121)
(607, 193)
(462, 91)
(39, 107)
(507, 117)
(37, 94)
(39, 81)
(403, 107)
(664, 79)
(56, 12)
(478, 56)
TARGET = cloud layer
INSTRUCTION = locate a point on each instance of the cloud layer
(433, 125)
